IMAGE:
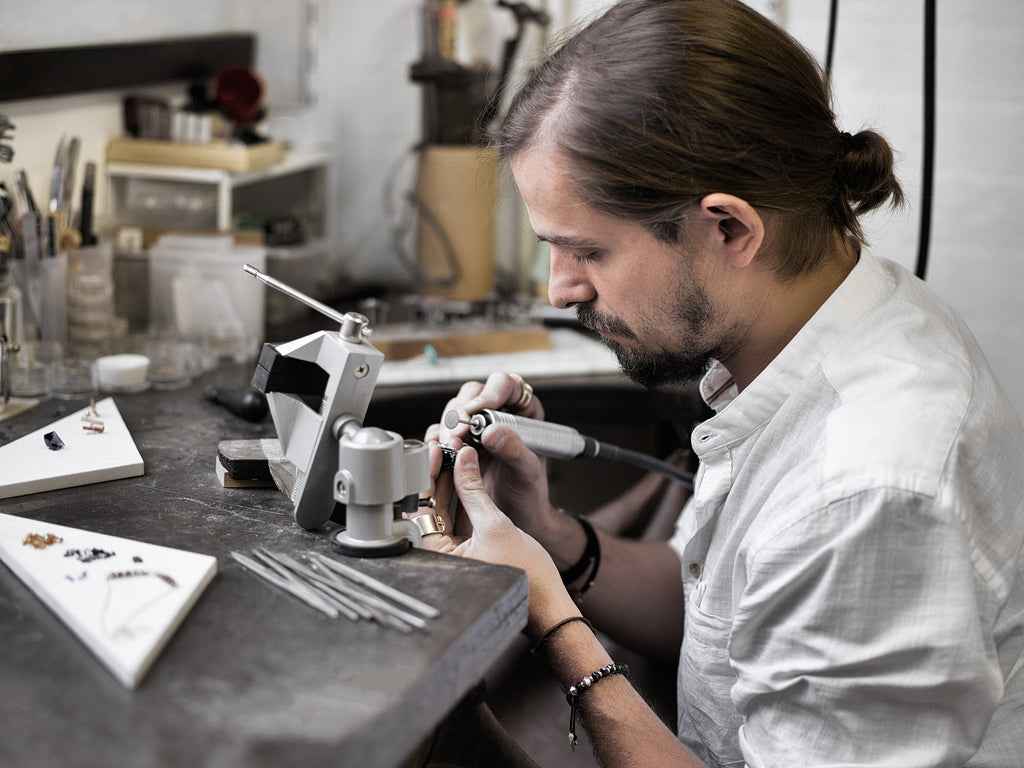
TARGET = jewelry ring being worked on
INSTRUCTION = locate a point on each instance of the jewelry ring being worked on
(524, 399)
(429, 524)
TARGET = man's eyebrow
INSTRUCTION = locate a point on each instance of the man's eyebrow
(565, 241)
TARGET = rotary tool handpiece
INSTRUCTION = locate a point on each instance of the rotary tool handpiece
(542, 437)
(558, 441)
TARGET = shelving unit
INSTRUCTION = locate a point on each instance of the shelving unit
(166, 197)
(211, 198)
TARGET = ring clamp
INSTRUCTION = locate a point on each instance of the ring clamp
(428, 524)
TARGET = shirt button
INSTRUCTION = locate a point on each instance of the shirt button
(695, 570)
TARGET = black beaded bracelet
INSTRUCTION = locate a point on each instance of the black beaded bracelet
(575, 691)
(591, 558)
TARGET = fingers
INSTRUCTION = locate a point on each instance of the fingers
(501, 391)
(496, 540)
(446, 499)
(509, 391)
(484, 516)
(467, 393)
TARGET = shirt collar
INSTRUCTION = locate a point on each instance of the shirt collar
(739, 412)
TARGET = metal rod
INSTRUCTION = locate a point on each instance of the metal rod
(268, 575)
(335, 589)
(372, 601)
(410, 602)
(309, 301)
(344, 606)
(382, 609)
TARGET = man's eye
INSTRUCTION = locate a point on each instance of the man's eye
(585, 256)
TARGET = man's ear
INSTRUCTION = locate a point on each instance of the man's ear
(740, 230)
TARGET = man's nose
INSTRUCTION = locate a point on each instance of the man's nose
(568, 283)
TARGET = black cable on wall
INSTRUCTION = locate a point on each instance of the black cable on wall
(928, 124)
(833, 11)
(928, 128)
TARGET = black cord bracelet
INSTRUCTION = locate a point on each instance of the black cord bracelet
(547, 635)
(591, 558)
(594, 545)
(575, 691)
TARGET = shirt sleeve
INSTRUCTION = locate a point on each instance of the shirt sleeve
(857, 639)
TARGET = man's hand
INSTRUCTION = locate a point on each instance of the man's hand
(487, 534)
(513, 475)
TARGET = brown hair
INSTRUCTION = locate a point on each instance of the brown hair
(658, 103)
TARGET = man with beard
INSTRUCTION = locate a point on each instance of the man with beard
(844, 587)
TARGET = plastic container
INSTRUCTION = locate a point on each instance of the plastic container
(299, 266)
(90, 302)
(75, 378)
(199, 292)
(32, 368)
(123, 372)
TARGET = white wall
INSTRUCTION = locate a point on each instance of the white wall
(367, 109)
(976, 260)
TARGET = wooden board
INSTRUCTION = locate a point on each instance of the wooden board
(28, 466)
(215, 154)
(402, 345)
(15, 406)
(123, 599)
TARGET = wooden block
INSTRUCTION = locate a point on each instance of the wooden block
(215, 154)
(248, 459)
(398, 345)
(254, 464)
(227, 481)
(17, 405)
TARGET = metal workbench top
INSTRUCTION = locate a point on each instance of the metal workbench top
(252, 677)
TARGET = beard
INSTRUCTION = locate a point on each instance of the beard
(690, 358)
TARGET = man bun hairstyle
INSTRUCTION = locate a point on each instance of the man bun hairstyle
(659, 103)
(865, 178)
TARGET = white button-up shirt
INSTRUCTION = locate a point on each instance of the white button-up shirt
(851, 556)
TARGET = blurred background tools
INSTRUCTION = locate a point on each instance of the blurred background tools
(9, 301)
(40, 239)
(455, 192)
(6, 151)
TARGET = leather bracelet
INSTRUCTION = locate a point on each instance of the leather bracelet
(591, 558)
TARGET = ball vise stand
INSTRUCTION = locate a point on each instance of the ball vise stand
(318, 388)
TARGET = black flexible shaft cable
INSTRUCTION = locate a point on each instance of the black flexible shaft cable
(644, 461)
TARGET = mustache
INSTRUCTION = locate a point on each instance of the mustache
(594, 321)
